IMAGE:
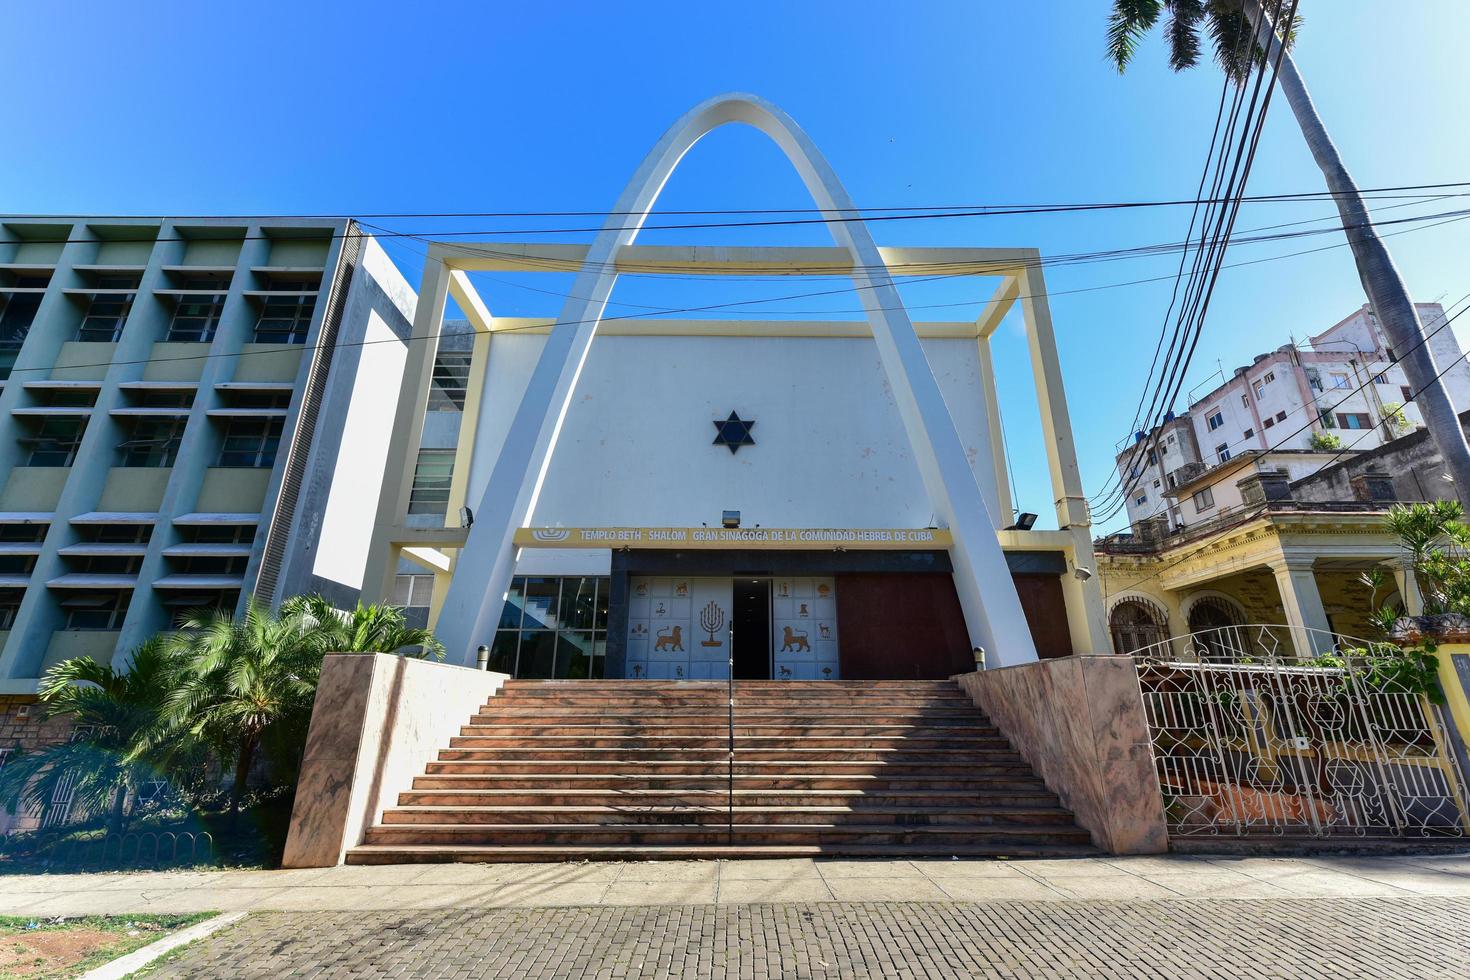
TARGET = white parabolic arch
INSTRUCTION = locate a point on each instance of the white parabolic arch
(483, 571)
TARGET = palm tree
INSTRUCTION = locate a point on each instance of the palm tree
(120, 736)
(365, 629)
(244, 682)
(1231, 25)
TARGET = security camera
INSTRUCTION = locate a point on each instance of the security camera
(1082, 572)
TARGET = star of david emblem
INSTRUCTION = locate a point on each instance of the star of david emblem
(734, 432)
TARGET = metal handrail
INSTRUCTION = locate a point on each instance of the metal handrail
(730, 755)
(1271, 641)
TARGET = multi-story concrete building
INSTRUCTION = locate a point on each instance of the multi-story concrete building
(1344, 387)
(192, 413)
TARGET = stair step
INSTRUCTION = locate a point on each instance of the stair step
(922, 741)
(542, 781)
(869, 703)
(466, 796)
(565, 770)
(573, 759)
(501, 854)
(690, 833)
(718, 715)
(712, 729)
(600, 817)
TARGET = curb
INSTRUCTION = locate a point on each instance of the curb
(140, 958)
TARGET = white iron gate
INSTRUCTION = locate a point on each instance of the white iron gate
(1251, 739)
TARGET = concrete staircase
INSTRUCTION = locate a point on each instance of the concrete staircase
(636, 770)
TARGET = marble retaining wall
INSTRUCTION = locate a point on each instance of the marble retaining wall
(1080, 723)
(377, 721)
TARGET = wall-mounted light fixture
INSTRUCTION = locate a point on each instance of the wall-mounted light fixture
(730, 518)
(1024, 522)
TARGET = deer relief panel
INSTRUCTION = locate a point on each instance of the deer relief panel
(804, 628)
(678, 628)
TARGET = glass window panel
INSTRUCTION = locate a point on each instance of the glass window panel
(515, 600)
(574, 654)
(599, 655)
(538, 654)
(503, 651)
(541, 596)
(604, 592)
(578, 603)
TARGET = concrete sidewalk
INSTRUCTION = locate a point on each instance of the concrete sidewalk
(470, 886)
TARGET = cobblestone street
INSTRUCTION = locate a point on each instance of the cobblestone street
(1288, 938)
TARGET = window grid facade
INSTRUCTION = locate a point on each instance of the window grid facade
(55, 441)
(154, 442)
(432, 476)
(413, 593)
(553, 628)
(196, 318)
(285, 320)
(106, 314)
(99, 611)
(251, 443)
(451, 382)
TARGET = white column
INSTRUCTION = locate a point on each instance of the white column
(1408, 586)
(1086, 614)
(408, 427)
(1303, 604)
(1004, 509)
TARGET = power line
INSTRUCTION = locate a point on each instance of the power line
(827, 216)
(980, 209)
(1338, 455)
(773, 299)
(1209, 258)
(1316, 411)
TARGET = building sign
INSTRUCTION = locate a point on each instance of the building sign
(774, 538)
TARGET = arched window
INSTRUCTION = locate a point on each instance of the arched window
(1215, 627)
(1137, 623)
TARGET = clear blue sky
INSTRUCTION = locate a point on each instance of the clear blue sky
(355, 108)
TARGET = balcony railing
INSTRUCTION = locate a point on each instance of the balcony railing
(1131, 543)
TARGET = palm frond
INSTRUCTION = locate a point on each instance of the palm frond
(1182, 33)
(1128, 23)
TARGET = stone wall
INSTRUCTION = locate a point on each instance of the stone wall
(1080, 723)
(1412, 462)
(377, 721)
(24, 727)
(1348, 602)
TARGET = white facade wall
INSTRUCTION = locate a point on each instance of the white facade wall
(636, 446)
(1174, 446)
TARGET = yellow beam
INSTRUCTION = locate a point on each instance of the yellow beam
(469, 301)
(940, 330)
(999, 305)
(730, 260)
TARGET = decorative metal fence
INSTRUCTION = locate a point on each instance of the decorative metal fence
(145, 849)
(1276, 730)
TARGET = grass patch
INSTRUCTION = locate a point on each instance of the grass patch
(44, 948)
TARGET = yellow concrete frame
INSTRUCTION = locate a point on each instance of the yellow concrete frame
(1022, 282)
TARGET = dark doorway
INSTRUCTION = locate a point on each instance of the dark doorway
(751, 641)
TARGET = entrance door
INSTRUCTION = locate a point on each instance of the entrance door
(751, 641)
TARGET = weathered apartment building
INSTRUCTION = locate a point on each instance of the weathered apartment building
(1342, 386)
(191, 412)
